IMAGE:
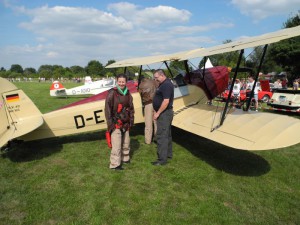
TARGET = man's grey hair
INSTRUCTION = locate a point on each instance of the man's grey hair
(160, 72)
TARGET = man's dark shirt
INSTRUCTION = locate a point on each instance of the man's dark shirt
(164, 91)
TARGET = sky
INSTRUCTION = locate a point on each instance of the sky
(74, 32)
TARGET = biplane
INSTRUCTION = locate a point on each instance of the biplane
(245, 130)
(89, 88)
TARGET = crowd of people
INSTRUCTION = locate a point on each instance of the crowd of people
(245, 85)
(283, 84)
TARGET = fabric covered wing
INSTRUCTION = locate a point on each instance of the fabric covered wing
(241, 130)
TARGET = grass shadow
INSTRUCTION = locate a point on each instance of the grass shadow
(33, 150)
(221, 157)
(38, 149)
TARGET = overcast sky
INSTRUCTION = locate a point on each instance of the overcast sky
(73, 32)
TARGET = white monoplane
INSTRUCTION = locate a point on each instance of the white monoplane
(89, 88)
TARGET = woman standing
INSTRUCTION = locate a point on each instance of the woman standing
(119, 113)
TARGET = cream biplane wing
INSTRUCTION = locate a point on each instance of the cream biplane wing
(150, 59)
(250, 42)
(241, 130)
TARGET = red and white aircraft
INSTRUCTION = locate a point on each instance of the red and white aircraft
(89, 88)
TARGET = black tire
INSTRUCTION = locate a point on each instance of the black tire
(266, 98)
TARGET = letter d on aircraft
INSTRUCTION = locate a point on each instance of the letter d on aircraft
(79, 121)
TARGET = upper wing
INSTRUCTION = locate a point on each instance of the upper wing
(149, 59)
(245, 43)
(242, 130)
(201, 52)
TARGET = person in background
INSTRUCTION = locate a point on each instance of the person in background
(284, 83)
(236, 90)
(163, 107)
(255, 94)
(296, 84)
(147, 90)
(277, 84)
(119, 113)
(243, 84)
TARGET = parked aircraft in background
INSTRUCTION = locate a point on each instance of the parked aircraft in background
(90, 87)
(245, 130)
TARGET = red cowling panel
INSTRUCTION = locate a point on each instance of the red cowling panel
(130, 85)
(265, 85)
(215, 80)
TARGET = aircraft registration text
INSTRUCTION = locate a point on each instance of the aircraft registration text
(80, 120)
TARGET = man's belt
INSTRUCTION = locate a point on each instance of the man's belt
(147, 102)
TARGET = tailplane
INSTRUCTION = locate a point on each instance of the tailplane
(57, 89)
(18, 114)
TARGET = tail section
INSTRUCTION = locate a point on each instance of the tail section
(18, 114)
(57, 89)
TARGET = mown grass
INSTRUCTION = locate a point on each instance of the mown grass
(67, 181)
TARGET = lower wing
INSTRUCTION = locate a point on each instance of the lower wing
(241, 130)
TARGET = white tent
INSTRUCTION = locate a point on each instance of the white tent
(208, 64)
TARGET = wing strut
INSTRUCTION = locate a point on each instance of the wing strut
(140, 76)
(165, 62)
(231, 87)
(256, 77)
(186, 66)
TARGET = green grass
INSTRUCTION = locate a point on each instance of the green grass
(67, 181)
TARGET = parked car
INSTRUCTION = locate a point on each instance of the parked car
(263, 95)
(285, 100)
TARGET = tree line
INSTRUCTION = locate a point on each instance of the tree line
(94, 69)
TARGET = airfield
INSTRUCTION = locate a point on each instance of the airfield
(67, 181)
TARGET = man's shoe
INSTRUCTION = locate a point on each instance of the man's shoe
(126, 162)
(118, 168)
(157, 163)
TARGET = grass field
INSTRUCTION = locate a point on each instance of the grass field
(67, 181)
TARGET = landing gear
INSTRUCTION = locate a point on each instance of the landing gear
(6, 148)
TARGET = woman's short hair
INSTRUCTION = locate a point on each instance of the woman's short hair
(122, 75)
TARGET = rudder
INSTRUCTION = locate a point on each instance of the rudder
(18, 114)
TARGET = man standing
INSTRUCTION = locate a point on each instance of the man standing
(163, 107)
(147, 90)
